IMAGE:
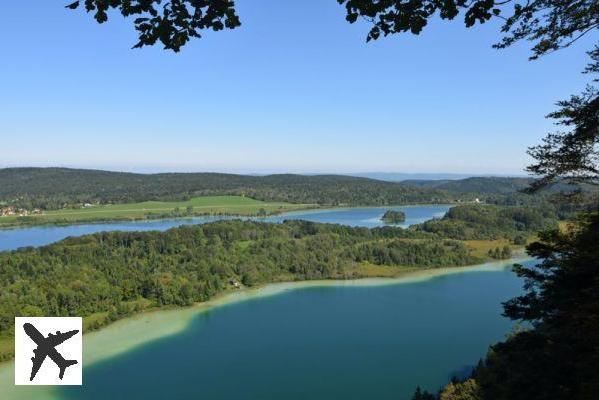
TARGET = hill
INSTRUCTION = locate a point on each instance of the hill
(55, 188)
(482, 185)
(402, 176)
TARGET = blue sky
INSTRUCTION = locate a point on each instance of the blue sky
(295, 89)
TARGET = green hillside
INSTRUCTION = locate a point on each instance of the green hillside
(53, 188)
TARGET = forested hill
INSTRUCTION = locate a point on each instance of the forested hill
(52, 188)
(493, 186)
(482, 185)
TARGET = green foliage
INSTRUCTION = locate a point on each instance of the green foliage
(413, 253)
(551, 25)
(480, 185)
(466, 390)
(500, 253)
(472, 222)
(114, 272)
(172, 23)
(520, 240)
(53, 188)
(571, 155)
(393, 217)
(205, 205)
(423, 395)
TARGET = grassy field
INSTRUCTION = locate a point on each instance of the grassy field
(231, 205)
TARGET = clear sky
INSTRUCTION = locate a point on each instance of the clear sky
(295, 89)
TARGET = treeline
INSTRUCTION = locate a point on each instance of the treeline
(106, 272)
(494, 186)
(53, 188)
(488, 222)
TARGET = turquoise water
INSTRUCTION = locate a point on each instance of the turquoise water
(369, 217)
(328, 342)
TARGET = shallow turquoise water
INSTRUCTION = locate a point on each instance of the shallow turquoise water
(14, 238)
(375, 342)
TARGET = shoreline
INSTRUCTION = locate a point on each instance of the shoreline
(133, 331)
(147, 217)
(153, 218)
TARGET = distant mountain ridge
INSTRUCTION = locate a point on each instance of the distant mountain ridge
(483, 185)
(51, 188)
(421, 176)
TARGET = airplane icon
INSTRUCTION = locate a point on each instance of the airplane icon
(46, 348)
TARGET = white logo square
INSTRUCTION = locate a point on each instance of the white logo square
(48, 350)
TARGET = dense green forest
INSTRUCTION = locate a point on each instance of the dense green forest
(488, 222)
(480, 185)
(494, 185)
(53, 188)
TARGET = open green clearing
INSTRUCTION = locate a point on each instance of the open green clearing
(231, 205)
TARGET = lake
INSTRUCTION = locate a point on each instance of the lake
(369, 217)
(370, 339)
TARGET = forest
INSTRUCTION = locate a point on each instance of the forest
(56, 188)
(471, 222)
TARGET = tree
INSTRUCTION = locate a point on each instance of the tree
(552, 24)
(506, 252)
(422, 395)
(172, 23)
(467, 390)
(571, 155)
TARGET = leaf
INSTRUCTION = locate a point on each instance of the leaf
(72, 6)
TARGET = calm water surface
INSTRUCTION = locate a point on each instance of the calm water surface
(14, 238)
(374, 342)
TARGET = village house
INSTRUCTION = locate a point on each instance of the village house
(6, 211)
(12, 210)
(233, 282)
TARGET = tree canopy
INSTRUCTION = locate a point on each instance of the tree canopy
(172, 23)
(550, 24)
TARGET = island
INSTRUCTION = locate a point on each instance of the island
(393, 217)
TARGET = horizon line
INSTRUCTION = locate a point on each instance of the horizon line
(151, 170)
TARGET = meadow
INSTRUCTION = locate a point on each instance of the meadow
(205, 205)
